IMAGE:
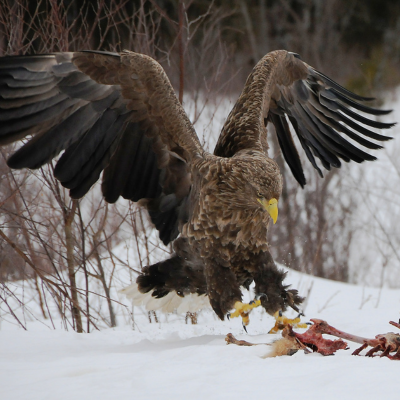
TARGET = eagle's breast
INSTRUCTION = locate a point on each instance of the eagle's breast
(226, 217)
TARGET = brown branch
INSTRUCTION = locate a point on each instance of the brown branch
(12, 312)
(69, 244)
(181, 50)
(164, 14)
(30, 263)
(84, 267)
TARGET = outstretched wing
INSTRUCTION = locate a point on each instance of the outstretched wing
(107, 111)
(324, 116)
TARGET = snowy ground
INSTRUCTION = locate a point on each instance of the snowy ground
(172, 360)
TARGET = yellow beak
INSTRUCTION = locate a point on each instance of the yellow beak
(271, 206)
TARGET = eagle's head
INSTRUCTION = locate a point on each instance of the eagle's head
(258, 184)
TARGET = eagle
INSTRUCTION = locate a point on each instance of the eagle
(117, 114)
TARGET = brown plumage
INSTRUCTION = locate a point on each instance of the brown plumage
(118, 114)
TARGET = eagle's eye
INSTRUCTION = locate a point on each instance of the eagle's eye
(260, 195)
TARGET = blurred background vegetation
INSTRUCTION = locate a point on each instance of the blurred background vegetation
(355, 41)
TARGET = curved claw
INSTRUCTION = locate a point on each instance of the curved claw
(259, 296)
(293, 299)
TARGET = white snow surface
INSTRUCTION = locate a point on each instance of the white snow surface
(174, 360)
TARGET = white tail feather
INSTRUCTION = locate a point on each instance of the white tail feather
(189, 303)
(172, 304)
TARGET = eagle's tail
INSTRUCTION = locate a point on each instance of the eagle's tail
(170, 285)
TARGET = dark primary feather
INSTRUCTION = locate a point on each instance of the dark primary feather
(328, 82)
(119, 176)
(288, 147)
(333, 95)
(323, 114)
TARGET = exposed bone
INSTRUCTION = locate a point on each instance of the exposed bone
(397, 325)
(387, 343)
(321, 326)
(282, 347)
(230, 339)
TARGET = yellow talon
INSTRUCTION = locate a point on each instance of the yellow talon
(282, 321)
(244, 310)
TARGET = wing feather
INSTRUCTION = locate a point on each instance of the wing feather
(335, 96)
(323, 113)
(288, 147)
(110, 112)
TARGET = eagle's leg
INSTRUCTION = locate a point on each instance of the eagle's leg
(244, 310)
(269, 282)
(222, 286)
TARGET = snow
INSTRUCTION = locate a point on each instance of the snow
(174, 360)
